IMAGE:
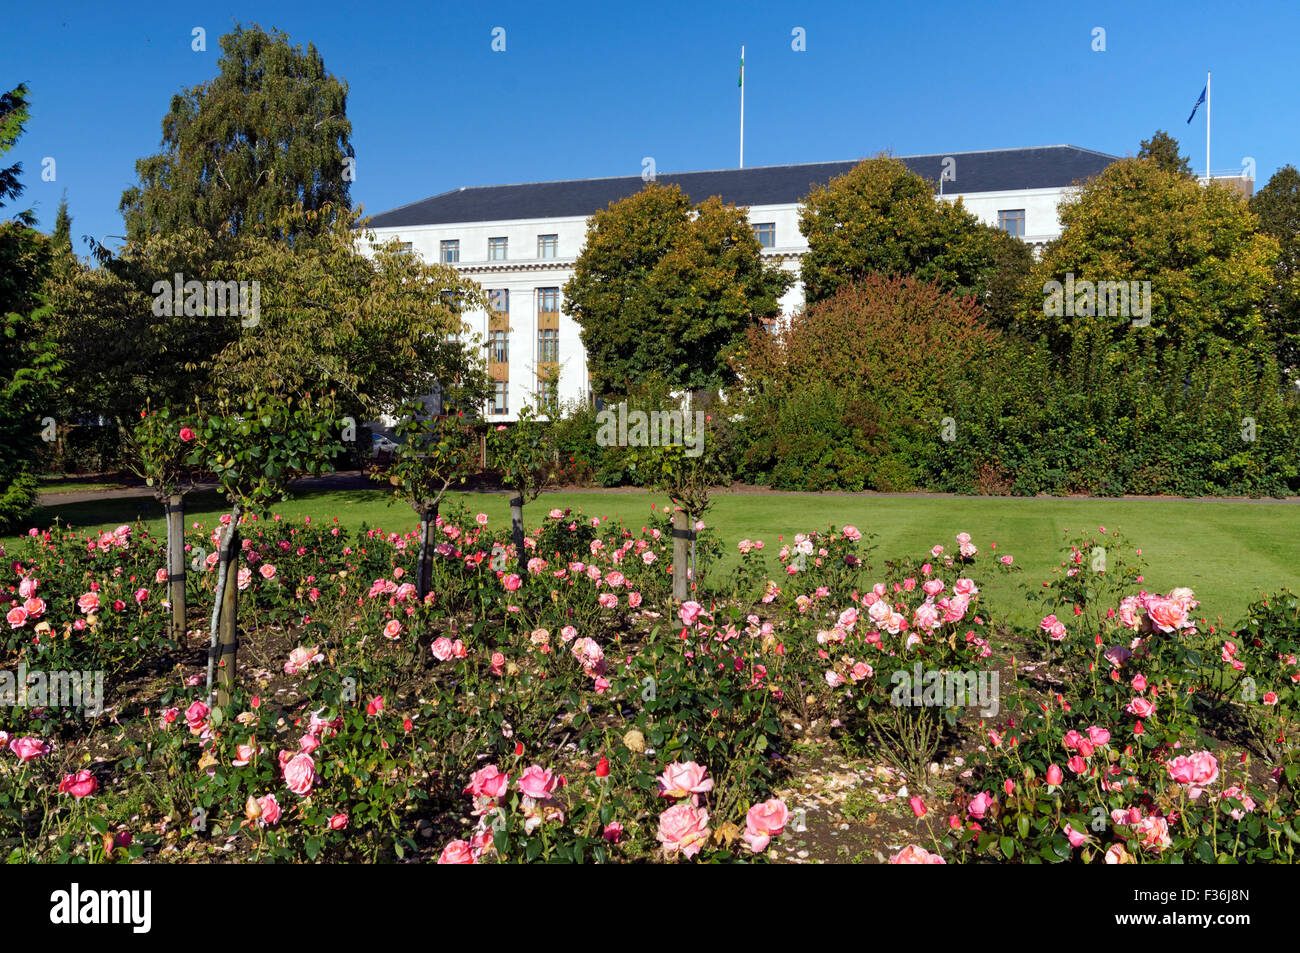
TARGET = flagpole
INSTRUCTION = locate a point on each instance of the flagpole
(1207, 127)
(742, 107)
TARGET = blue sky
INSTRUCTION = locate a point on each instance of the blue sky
(588, 89)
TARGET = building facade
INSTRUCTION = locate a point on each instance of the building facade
(520, 242)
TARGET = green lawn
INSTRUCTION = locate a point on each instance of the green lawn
(1228, 552)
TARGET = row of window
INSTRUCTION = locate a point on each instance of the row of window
(548, 246)
(1011, 221)
(548, 300)
(548, 346)
(546, 396)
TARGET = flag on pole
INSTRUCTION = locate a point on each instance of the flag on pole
(741, 81)
(1198, 104)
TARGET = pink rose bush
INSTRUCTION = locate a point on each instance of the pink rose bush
(568, 709)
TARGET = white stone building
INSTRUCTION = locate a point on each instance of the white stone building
(520, 242)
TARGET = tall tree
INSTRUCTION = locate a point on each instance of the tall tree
(62, 234)
(268, 132)
(14, 114)
(1208, 266)
(27, 363)
(382, 328)
(664, 288)
(1277, 206)
(120, 350)
(882, 218)
(1164, 150)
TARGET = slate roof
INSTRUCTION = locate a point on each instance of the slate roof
(998, 170)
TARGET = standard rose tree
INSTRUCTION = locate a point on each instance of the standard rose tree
(523, 453)
(687, 479)
(158, 448)
(256, 446)
(433, 453)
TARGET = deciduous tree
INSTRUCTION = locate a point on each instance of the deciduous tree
(1277, 205)
(269, 131)
(882, 218)
(1209, 266)
(665, 288)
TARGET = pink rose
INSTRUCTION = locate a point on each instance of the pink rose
(763, 822)
(1166, 615)
(17, 617)
(28, 748)
(537, 783)
(1197, 771)
(1054, 775)
(186, 435)
(88, 603)
(488, 782)
(683, 828)
(339, 822)
(1154, 834)
(1140, 707)
(196, 717)
(912, 854)
(1075, 838)
(300, 658)
(300, 774)
(457, 852)
(270, 807)
(980, 804)
(441, 649)
(1116, 854)
(679, 780)
(690, 612)
(79, 785)
(1098, 736)
(613, 832)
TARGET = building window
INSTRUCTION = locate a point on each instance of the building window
(546, 396)
(406, 248)
(548, 300)
(547, 245)
(765, 232)
(548, 345)
(499, 402)
(497, 249)
(449, 251)
(499, 300)
(499, 347)
(1012, 221)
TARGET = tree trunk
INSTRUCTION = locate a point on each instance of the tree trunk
(228, 629)
(424, 568)
(681, 556)
(176, 562)
(517, 532)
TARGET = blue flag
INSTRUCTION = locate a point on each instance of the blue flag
(1198, 105)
